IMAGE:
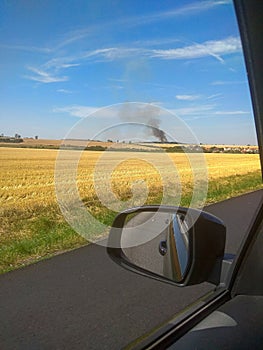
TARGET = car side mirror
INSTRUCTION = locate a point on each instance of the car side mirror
(178, 245)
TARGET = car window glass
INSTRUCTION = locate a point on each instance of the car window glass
(108, 105)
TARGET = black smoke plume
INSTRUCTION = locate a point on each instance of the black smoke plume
(158, 133)
(144, 113)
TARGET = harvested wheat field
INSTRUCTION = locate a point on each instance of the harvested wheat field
(27, 175)
(32, 226)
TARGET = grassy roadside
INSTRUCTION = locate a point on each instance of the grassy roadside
(41, 232)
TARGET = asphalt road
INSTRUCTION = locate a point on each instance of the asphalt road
(82, 300)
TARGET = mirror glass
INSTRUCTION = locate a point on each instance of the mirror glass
(157, 242)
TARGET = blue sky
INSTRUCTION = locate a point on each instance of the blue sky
(62, 60)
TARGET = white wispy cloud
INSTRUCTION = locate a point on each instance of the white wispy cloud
(214, 48)
(231, 112)
(69, 65)
(48, 72)
(190, 9)
(114, 53)
(43, 76)
(207, 112)
(74, 36)
(76, 110)
(188, 97)
(65, 91)
(103, 54)
(220, 82)
(215, 96)
(62, 62)
(186, 10)
(79, 34)
(116, 87)
(194, 110)
(119, 80)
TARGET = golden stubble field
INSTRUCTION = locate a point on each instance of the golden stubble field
(32, 226)
(27, 175)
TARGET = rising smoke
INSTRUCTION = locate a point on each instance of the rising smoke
(156, 131)
(146, 114)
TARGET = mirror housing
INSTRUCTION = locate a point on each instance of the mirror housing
(205, 236)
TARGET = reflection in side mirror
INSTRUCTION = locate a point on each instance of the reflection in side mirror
(177, 241)
(165, 254)
(182, 245)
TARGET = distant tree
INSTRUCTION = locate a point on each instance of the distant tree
(36, 137)
(17, 136)
(109, 140)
